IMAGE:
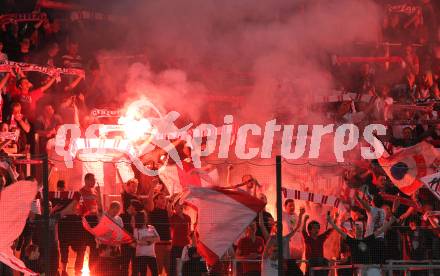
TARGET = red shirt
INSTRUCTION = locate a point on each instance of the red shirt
(246, 247)
(29, 102)
(89, 201)
(180, 230)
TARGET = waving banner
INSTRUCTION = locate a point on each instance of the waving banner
(234, 211)
(108, 232)
(407, 167)
(15, 204)
(51, 71)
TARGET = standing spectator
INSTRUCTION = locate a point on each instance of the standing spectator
(375, 220)
(247, 180)
(267, 217)
(4, 96)
(109, 256)
(428, 88)
(194, 266)
(180, 231)
(46, 125)
(91, 206)
(314, 244)
(23, 53)
(50, 57)
(411, 59)
(383, 105)
(361, 248)
(3, 56)
(357, 217)
(68, 228)
(269, 265)
(129, 193)
(290, 220)
(146, 237)
(250, 247)
(72, 59)
(364, 81)
(50, 247)
(406, 91)
(28, 98)
(159, 212)
(392, 239)
(17, 121)
(296, 245)
(128, 253)
(414, 240)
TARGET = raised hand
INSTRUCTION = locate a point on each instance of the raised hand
(306, 217)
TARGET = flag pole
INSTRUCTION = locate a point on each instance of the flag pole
(46, 211)
(279, 217)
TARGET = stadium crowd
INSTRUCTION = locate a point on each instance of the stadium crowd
(402, 93)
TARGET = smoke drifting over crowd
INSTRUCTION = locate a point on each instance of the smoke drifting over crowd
(273, 54)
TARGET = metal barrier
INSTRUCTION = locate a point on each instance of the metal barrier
(390, 267)
(235, 263)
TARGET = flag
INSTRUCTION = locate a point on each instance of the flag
(223, 215)
(331, 201)
(403, 201)
(15, 263)
(15, 204)
(432, 182)
(110, 170)
(179, 179)
(406, 167)
(108, 232)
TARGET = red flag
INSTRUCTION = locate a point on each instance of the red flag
(108, 232)
(221, 213)
(406, 167)
(178, 180)
(432, 182)
(58, 5)
(15, 205)
(16, 264)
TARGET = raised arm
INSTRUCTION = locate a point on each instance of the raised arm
(431, 220)
(393, 218)
(23, 123)
(302, 211)
(262, 226)
(149, 206)
(304, 228)
(364, 203)
(100, 208)
(228, 175)
(73, 84)
(385, 227)
(297, 226)
(48, 84)
(333, 224)
(4, 80)
(269, 244)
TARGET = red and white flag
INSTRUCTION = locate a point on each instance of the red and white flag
(432, 182)
(108, 232)
(407, 167)
(223, 215)
(330, 200)
(15, 205)
(178, 180)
